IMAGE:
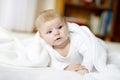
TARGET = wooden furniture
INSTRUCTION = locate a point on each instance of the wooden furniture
(90, 15)
(115, 34)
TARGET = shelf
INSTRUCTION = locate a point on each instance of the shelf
(94, 11)
(84, 11)
(89, 7)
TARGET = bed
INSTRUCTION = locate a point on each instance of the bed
(12, 72)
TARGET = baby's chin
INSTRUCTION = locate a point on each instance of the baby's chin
(60, 43)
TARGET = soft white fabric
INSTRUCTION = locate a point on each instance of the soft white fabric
(18, 15)
(114, 53)
(10, 73)
(4, 35)
(17, 51)
(21, 52)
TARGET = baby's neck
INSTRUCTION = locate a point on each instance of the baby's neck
(64, 49)
(64, 45)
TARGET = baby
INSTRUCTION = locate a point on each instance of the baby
(70, 46)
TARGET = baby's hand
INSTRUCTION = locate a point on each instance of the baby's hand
(77, 68)
(83, 71)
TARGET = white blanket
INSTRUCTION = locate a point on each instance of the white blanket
(19, 56)
(19, 52)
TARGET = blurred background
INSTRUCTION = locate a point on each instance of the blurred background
(101, 16)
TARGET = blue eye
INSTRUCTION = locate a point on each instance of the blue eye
(49, 32)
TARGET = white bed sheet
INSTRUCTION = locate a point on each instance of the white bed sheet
(20, 73)
(114, 53)
(10, 72)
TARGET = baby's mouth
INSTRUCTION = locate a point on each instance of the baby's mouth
(58, 38)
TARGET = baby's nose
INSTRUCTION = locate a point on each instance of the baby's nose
(57, 32)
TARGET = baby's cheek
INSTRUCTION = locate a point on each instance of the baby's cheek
(50, 43)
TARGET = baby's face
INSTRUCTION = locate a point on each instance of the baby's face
(54, 32)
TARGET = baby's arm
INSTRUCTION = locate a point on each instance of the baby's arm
(77, 68)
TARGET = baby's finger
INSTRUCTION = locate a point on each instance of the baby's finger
(80, 68)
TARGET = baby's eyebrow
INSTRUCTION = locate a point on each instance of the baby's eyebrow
(48, 29)
(59, 25)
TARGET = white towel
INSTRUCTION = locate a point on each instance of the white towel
(28, 52)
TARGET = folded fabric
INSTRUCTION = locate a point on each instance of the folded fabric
(27, 52)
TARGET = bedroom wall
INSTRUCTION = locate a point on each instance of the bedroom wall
(45, 4)
(20, 15)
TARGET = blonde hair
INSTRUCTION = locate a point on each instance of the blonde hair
(45, 16)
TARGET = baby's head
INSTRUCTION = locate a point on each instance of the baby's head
(52, 27)
(47, 16)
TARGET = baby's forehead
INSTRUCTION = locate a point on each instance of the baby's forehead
(50, 25)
